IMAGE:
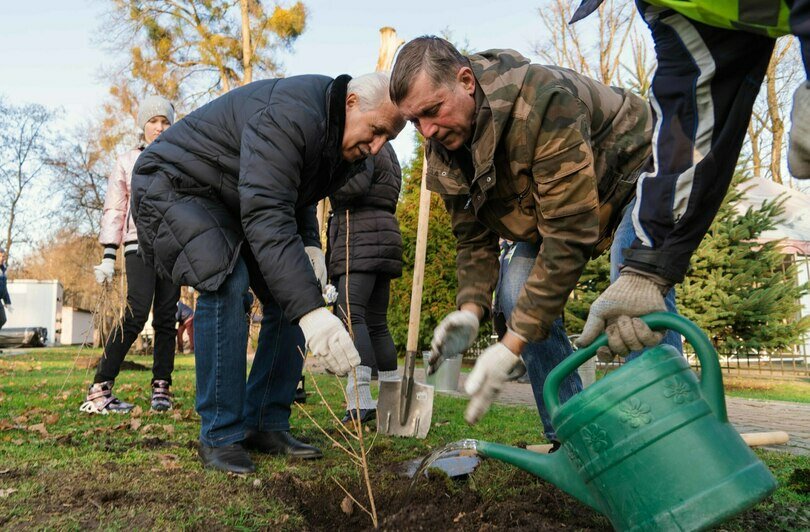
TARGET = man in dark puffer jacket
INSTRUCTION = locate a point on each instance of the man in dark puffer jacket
(366, 206)
(226, 201)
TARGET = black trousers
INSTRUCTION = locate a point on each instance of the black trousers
(2, 315)
(143, 287)
(368, 305)
(702, 93)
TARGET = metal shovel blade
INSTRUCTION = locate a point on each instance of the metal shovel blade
(405, 408)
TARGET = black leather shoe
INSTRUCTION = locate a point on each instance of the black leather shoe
(231, 458)
(280, 442)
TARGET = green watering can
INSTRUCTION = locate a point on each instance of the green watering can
(649, 445)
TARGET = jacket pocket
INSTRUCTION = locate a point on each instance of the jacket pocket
(564, 188)
(185, 185)
(445, 182)
(611, 208)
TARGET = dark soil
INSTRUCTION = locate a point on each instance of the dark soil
(495, 497)
(439, 503)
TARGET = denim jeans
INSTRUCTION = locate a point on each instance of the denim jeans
(622, 239)
(226, 403)
(540, 357)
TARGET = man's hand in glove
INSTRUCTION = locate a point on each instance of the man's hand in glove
(318, 261)
(454, 335)
(329, 341)
(616, 311)
(104, 272)
(491, 371)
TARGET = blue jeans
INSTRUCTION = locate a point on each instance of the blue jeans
(226, 403)
(622, 239)
(540, 357)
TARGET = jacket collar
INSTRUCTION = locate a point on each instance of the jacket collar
(339, 170)
(499, 75)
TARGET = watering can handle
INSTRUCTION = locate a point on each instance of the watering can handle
(711, 381)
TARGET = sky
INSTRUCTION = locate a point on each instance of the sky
(51, 51)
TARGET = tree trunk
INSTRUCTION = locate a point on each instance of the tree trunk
(756, 157)
(777, 125)
(389, 44)
(247, 51)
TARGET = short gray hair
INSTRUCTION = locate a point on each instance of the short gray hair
(432, 55)
(371, 89)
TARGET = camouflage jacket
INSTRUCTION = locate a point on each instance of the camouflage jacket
(554, 157)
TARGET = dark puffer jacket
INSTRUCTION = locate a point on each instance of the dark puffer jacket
(375, 244)
(251, 165)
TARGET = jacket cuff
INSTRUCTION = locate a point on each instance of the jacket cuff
(110, 251)
(484, 303)
(669, 266)
(529, 330)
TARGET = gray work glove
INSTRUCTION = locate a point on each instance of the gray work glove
(329, 341)
(615, 312)
(454, 335)
(318, 261)
(492, 369)
(799, 145)
(104, 272)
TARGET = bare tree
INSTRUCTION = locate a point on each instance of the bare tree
(600, 57)
(23, 151)
(79, 167)
(764, 147)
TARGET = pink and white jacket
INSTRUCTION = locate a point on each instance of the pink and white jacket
(117, 225)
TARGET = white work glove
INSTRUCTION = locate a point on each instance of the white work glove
(491, 371)
(329, 341)
(454, 335)
(615, 313)
(799, 144)
(330, 294)
(318, 261)
(104, 272)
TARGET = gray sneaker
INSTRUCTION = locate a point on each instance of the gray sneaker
(100, 400)
(161, 396)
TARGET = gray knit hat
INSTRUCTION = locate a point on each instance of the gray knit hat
(153, 106)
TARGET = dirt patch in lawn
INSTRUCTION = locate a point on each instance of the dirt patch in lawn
(166, 493)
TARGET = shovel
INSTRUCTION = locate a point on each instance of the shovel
(405, 408)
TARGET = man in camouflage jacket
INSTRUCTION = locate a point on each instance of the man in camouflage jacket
(524, 152)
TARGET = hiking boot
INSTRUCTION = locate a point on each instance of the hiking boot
(161, 396)
(100, 400)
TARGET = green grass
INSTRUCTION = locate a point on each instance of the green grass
(768, 389)
(140, 471)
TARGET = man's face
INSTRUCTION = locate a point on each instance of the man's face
(366, 132)
(443, 112)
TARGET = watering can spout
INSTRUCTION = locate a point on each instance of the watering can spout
(555, 468)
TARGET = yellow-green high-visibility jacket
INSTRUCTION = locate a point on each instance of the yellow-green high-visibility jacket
(769, 17)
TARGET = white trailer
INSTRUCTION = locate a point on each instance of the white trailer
(36, 304)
